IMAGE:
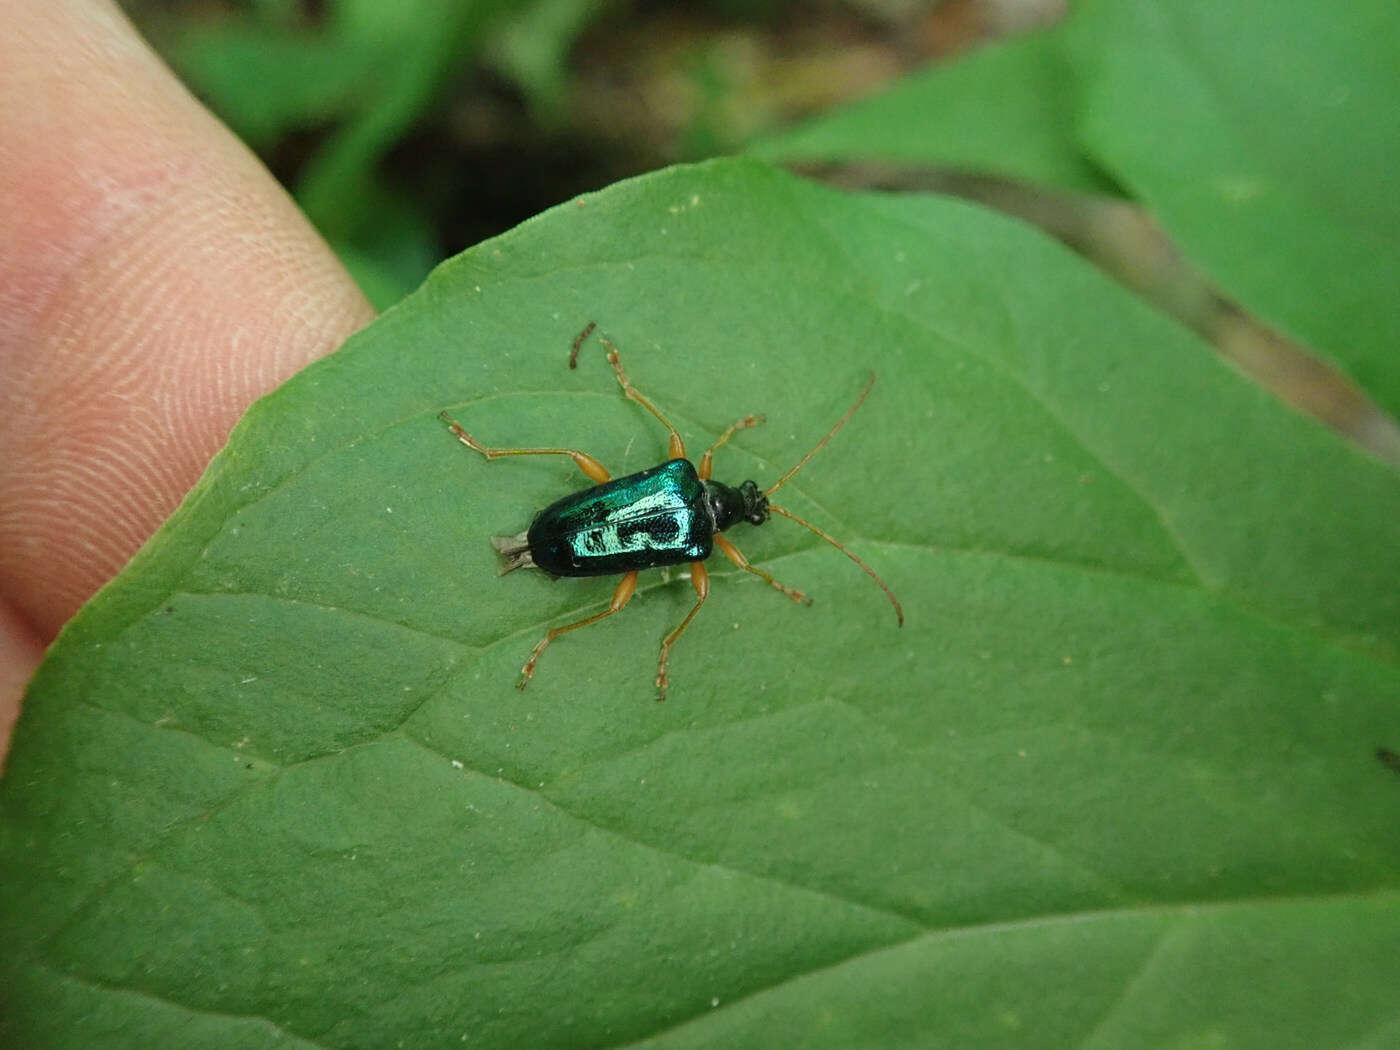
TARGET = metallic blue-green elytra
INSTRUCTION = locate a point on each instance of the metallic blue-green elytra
(662, 516)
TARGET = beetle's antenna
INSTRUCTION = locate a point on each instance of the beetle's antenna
(829, 435)
(898, 610)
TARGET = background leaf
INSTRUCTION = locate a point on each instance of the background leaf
(1259, 135)
(1007, 108)
(1115, 783)
(1268, 163)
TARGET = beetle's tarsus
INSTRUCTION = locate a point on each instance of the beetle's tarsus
(792, 592)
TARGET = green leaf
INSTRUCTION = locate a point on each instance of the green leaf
(1114, 784)
(1262, 135)
(1006, 109)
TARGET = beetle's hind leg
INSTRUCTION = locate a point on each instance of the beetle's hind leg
(586, 463)
(626, 587)
(733, 554)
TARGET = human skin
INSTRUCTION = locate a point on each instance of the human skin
(154, 281)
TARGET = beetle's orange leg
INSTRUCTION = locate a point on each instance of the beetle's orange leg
(700, 580)
(586, 463)
(732, 553)
(633, 394)
(707, 460)
(626, 587)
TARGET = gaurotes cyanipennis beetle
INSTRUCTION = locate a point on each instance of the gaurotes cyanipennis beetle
(672, 514)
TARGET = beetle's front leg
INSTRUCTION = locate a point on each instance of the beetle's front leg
(626, 587)
(707, 460)
(733, 554)
(700, 580)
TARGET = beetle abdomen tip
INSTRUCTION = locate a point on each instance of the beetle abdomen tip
(514, 552)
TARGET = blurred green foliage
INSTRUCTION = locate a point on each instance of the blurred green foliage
(343, 90)
(410, 131)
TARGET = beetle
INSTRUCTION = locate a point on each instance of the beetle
(670, 514)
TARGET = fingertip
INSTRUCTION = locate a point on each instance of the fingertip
(156, 280)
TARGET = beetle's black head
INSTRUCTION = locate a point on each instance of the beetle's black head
(733, 505)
